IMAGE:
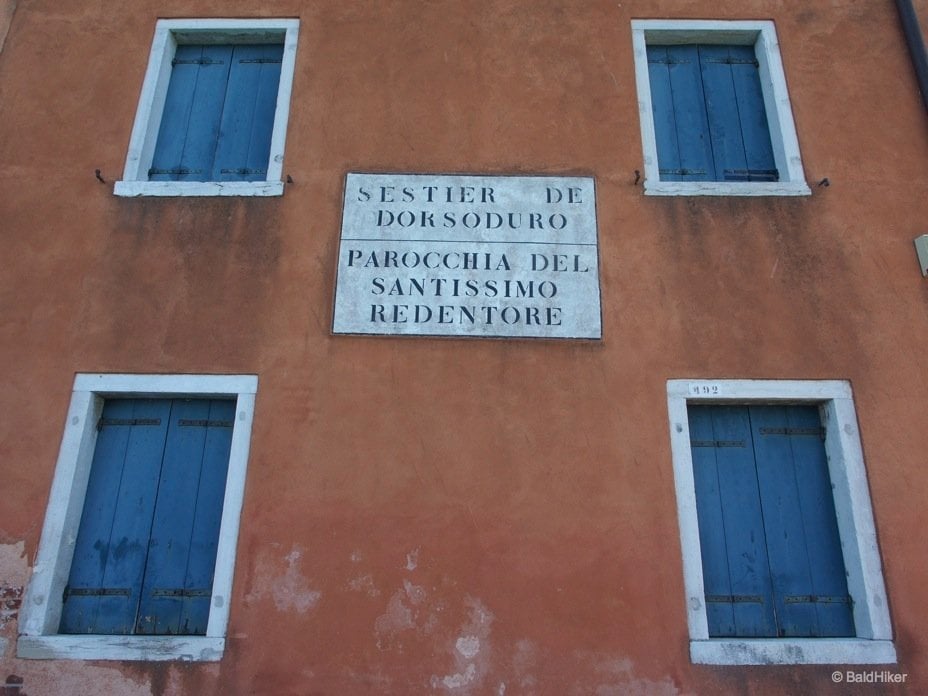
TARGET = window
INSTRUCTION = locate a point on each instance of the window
(137, 552)
(212, 117)
(715, 116)
(779, 547)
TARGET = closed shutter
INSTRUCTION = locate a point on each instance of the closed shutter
(772, 560)
(709, 115)
(218, 114)
(736, 572)
(146, 546)
(248, 116)
(684, 151)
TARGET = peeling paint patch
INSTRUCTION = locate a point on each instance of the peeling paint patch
(14, 570)
(397, 618)
(524, 663)
(415, 593)
(412, 559)
(288, 590)
(456, 681)
(365, 584)
(471, 653)
(616, 677)
(468, 646)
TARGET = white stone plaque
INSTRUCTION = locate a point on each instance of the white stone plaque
(454, 255)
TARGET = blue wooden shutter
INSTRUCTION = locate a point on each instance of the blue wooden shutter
(738, 126)
(739, 595)
(182, 552)
(767, 523)
(218, 114)
(709, 116)
(248, 117)
(684, 151)
(112, 541)
(146, 545)
(189, 133)
(808, 572)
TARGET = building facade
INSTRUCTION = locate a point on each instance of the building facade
(503, 347)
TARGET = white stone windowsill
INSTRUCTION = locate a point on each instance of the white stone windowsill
(146, 648)
(726, 188)
(786, 651)
(198, 188)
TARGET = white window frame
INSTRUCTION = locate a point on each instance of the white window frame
(41, 608)
(873, 643)
(168, 34)
(761, 35)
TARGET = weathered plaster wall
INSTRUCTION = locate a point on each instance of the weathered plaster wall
(448, 516)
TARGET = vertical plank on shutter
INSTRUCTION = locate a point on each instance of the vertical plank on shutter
(744, 530)
(817, 504)
(690, 114)
(175, 119)
(752, 114)
(206, 113)
(722, 110)
(665, 126)
(734, 532)
(787, 545)
(248, 116)
(133, 519)
(716, 575)
(186, 144)
(125, 548)
(91, 549)
(169, 546)
(205, 534)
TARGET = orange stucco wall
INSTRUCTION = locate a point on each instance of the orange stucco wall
(405, 494)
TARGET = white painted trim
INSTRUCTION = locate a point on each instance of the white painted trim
(112, 384)
(856, 528)
(760, 34)
(168, 34)
(786, 651)
(138, 648)
(725, 188)
(130, 189)
(41, 608)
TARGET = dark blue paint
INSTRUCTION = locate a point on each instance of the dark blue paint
(709, 116)
(139, 535)
(767, 523)
(218, 114)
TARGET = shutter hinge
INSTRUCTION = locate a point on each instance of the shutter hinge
(794, 431)
(173, 172)
(95, 592)
(203, 423)
(734, 61)
(243, 171)
(729, 599)
(751, 174)
(180, 592)
(817, 599)
(103, 422)
(717, 443)
(196, 61)
(682, 172)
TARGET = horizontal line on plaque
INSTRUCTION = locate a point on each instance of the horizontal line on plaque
(462, 241)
